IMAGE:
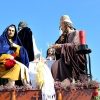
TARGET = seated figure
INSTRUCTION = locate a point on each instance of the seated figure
(13, 57)
(69, 64)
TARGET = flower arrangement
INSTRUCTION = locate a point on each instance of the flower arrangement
(80, 84)
(16, 88)
(67, 85)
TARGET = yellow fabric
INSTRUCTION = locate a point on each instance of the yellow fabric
(13, 73)
(3, 57)
(17, 51)
(10, 40)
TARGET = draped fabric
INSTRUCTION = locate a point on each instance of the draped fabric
(25, 36)
(60, 41)
(6, 49)
(70, 64)
(48, 90)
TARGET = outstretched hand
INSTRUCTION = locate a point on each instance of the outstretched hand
(56, 46)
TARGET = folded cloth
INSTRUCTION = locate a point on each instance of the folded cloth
(24, 70)
(48, 90)
(9, 64)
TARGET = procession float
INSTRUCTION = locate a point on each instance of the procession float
(84, 89)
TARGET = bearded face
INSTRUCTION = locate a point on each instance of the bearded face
(11, 31)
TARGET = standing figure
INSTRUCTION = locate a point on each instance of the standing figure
(69, 64)
(28, 41)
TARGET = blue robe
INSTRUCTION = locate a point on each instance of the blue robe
(6, 49)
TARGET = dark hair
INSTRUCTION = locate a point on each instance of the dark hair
(48, 50)
(11, 26)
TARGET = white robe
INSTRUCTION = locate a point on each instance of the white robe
(48, 91)
(36, 51)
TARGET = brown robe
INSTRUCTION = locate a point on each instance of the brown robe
(67, 65)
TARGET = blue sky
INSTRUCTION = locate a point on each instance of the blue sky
(43, 17)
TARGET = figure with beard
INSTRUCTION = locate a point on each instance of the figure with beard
(11, 49)
(28, 41)
(50, 54)
(68, 61)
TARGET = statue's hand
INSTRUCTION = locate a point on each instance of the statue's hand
(14, 45)
(56, 46)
